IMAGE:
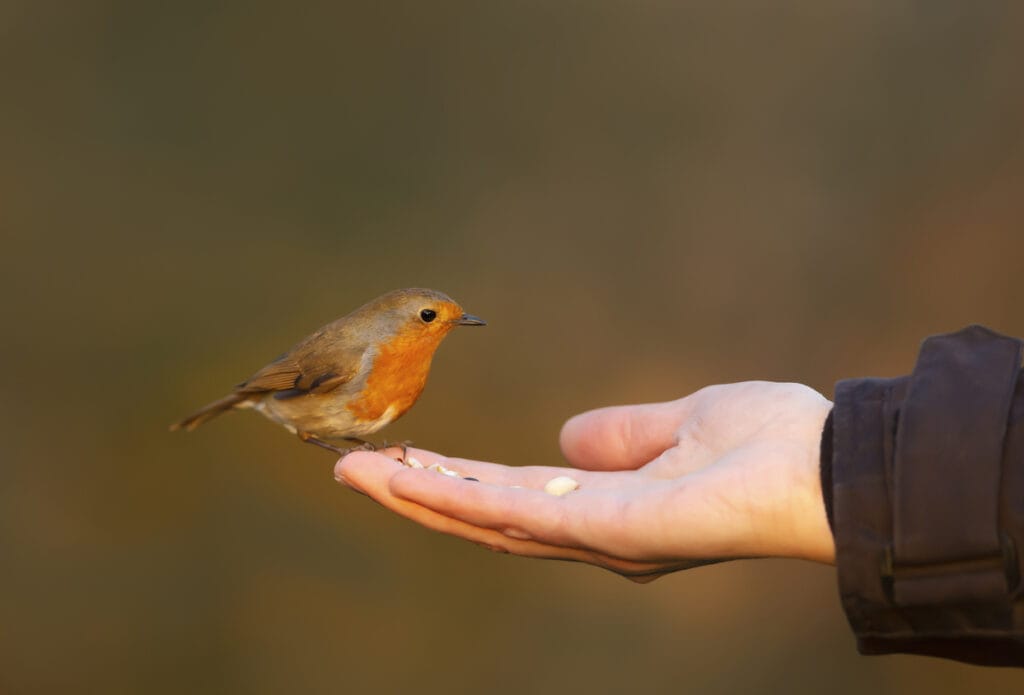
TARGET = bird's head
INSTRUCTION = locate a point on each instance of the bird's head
(422, 315)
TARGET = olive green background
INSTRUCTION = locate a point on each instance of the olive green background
(641, 197)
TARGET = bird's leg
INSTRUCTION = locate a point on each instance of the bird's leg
(360, 445)
(310, 439)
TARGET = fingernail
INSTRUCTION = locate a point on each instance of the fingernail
(340, 478)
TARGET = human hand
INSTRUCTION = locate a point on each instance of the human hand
(730, 471)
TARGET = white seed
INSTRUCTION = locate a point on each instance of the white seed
(413, 463)
(438, 468)
(560, 485)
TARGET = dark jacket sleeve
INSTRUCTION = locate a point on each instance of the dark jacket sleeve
(923, 477)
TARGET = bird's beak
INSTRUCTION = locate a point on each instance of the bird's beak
(470, 320)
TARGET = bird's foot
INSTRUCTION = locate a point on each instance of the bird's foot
(403, 445)
(360, 444)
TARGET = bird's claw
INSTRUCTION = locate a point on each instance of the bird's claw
(403, 445)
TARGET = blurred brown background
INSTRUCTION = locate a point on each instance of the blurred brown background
(641, 197)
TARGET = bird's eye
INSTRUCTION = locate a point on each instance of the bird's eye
(428, 315)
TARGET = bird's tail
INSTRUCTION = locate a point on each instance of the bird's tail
(210, 411)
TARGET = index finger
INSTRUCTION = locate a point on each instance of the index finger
(535, 477)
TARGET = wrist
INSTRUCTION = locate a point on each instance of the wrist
(812, 533)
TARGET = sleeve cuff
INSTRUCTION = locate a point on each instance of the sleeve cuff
(923, 481)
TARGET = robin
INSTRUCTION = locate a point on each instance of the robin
(353, 376)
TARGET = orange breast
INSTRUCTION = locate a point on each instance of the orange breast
(397, 377)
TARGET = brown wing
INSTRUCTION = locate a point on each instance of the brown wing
(297, 375)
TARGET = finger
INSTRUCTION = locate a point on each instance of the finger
(535, 477)
(622, 437)
(641, 572)
(579, 520)
(369, 473)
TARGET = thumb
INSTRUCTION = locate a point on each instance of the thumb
(622, 437)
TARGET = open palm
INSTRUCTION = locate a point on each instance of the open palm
(729, 471)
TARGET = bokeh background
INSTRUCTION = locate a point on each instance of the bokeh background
(641, 197)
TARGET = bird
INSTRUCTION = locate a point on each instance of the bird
(350, 377)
